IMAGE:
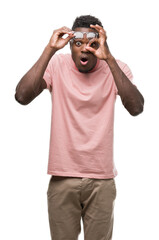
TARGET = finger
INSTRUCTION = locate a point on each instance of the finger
(90, 49)
(68, 35)
(99, 29)
(67, 39)
(62, 34)
(66, 28)
(96, 27)
(93, 40)
(63, 30)
(93, 43)
(71, 33)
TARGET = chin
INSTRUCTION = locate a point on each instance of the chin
(85, 70)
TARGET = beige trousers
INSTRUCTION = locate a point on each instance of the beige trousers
(73, 198)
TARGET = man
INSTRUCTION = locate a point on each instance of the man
(83, 86)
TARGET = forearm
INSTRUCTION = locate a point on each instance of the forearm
(130, 95)
(28, 87)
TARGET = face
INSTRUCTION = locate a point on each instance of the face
(83, 59)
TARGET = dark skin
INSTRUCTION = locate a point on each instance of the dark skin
(131, 98)
(78, 50)
(32, 83)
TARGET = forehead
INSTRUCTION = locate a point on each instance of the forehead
(82, 29)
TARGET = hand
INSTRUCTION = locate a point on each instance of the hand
(101, 50)
(57, 42)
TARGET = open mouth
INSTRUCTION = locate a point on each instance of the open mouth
(84, 60)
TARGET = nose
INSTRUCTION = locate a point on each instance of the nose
(84, 50)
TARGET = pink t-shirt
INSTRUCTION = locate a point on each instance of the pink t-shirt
(81, 139)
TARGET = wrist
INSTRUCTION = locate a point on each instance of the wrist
(50, 50)
(109, 58)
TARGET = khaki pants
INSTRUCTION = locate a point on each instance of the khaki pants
(73, 198)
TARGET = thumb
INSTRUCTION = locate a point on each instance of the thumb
(70, 36)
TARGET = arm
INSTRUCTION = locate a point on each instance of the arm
(32, 83)
(131, 98)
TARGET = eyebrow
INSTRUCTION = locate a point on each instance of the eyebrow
(78, 39)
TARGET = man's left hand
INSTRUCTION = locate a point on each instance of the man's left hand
(99, 46)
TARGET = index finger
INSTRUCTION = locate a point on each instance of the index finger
(93, 43)
(98, 28)
(66, 28)
(63, 31)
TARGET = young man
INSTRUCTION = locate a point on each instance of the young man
(83, 85)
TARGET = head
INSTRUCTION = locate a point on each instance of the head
(84, 60)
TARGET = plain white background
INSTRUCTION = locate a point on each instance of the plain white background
(26, 27)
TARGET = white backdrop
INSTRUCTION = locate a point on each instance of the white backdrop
(26, 27)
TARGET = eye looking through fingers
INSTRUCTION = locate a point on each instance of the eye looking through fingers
(93, 43)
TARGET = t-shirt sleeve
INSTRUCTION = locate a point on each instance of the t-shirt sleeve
(125, 68)
(49, 73)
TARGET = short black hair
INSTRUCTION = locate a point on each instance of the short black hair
(85, 21)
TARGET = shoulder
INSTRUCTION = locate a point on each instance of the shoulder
(121, 64)
(125, 68)
(61, 58)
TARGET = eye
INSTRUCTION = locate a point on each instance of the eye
(93, 45)
(78, 44)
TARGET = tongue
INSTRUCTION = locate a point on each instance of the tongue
(84, 62)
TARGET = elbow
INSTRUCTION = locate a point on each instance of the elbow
(135, 108)
(20, 98)
(136, 111)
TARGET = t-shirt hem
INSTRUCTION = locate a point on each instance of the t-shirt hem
(83, 175)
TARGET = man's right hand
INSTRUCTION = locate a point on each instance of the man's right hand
(57, 41)
(32, 83)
